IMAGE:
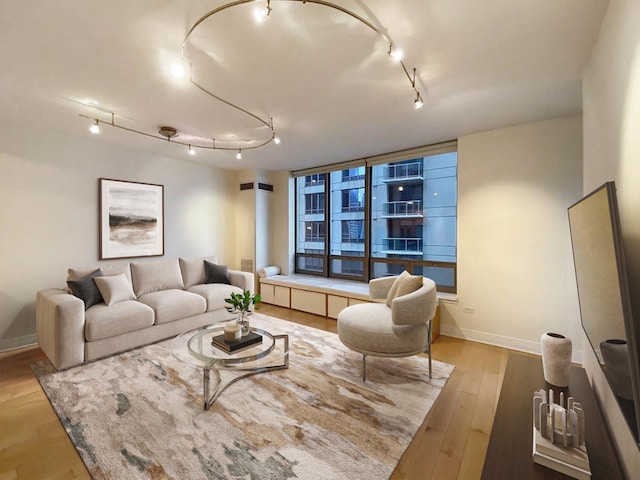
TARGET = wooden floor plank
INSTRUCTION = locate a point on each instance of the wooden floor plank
(473, 457)
(450, 444)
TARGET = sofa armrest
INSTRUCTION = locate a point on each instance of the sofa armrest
(244, 280)
(60, 327)
(379, 287)
(415, 307)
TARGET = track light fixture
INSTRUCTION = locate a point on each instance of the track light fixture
(178, 70)
(261, 14)
(170, 133)
(95, 128)
(396, 54)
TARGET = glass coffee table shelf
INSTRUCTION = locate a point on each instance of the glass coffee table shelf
(194, 347)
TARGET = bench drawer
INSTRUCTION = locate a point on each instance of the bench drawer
(281, 296)
(335, 305)
(311, 302)
(275, 294)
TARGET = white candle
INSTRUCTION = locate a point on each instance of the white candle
(232, 332)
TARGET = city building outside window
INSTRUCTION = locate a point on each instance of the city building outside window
(314, 203)
(383, 219)
(353, 200)
(352, 231)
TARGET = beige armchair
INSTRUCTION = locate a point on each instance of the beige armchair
(401, 327)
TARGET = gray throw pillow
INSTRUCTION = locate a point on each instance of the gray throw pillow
(216, 273)
(86, 289)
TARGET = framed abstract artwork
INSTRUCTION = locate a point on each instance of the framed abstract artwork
(131, 219)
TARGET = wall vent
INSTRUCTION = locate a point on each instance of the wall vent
(246, 265)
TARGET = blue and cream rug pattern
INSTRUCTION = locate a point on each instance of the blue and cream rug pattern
(139, 415)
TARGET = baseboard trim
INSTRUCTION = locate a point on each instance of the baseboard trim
(18, 342)
(501, 341)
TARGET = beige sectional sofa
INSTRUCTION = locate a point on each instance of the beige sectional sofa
(140, 303)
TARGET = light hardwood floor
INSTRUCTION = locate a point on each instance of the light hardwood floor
(450, 444)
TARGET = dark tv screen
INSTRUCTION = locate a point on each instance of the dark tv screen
(603, 294)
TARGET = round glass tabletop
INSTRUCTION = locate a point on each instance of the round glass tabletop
(195, 347)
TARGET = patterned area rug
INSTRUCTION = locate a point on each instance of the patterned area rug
(139, 414)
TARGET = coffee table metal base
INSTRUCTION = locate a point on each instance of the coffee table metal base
(211, 396)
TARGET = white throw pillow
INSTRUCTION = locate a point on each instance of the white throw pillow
(409, 284)
(394, 288)
(115, 289)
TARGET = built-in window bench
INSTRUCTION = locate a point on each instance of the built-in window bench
(320, 295)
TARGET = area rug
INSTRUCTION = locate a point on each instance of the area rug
(139, 415)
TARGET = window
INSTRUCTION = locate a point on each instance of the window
(347, 268)
(311, 225)
(382, 219)
(314, 232)
(413, 218)
(314, 203)
(310, 264)
(353, 200)
(353, 174)
(352, 231)
(314, 180)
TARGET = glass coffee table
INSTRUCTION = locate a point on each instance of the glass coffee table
(194, 347)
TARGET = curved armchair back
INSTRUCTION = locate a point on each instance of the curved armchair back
(415, 307)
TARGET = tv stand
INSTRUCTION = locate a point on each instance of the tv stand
(509, 455)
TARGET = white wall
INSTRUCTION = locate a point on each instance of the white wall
(611, 105)
(244, 235)
(255, 209)
(515, 271)
(263, 208)
(49, 213)
(281, 232)
(514, 253)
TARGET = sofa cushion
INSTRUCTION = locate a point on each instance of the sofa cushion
(86, 289)
(170, 305)
(115, 289)
(193, 270)
(107, 270)
(102, 321)
(215, 293)
(80, 273)
(216, 273)
(156, 276)
(117, 269)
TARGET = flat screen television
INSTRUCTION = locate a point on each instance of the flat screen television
(603, 294)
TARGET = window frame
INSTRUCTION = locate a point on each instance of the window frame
(367, 260)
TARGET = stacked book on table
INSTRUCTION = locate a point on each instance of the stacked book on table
(572, 461)
(249, 340)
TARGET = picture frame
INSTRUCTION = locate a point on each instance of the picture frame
(131, 219)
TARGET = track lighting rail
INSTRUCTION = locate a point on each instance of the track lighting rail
(169, 133)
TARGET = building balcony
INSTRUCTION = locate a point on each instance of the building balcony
(402, 246)
(405, 172)
(409, 208)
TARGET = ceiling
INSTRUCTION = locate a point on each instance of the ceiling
(325, 78)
